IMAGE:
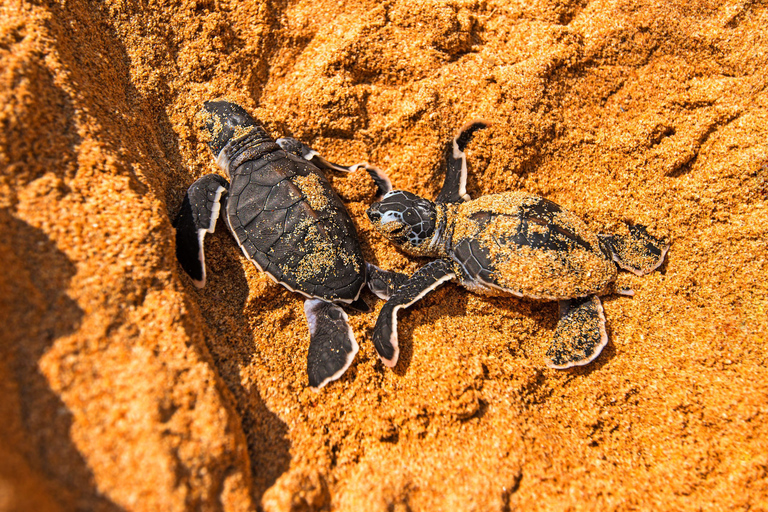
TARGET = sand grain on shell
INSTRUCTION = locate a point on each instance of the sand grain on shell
(524, 270)
(125, 388)
(313, 190)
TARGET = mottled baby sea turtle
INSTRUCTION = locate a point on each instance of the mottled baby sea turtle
(288, 222)
(511, 243)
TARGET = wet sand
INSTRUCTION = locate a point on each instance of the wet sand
(126, 388)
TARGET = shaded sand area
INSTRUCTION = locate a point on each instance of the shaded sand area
(123, 387)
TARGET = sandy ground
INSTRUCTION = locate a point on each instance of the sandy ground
(123, 387)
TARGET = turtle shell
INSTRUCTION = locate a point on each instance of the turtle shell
(292, 225)
(528, 246)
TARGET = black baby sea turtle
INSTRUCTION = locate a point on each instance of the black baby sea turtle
(511, 243)
(288, 222)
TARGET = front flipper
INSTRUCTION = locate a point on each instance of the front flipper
(580, 334)
(427, 278)
(332, 346)
(455, 185)
(639, 251)
(199, 212)
(298, 148)
(383, 283)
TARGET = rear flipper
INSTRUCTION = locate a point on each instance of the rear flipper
(332, 346)
(427, 278)
(383, 283)
(639, 252)
(580, 335)
(199, 212)
(359, 305)
(298, 148)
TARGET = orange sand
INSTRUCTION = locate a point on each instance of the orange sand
(125, 388)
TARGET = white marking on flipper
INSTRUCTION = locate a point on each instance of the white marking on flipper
(379, 177)
(330, 165)
(460, 155)
(393, 337)
(379, 294)
(621, 265)
(390, 281)
(309, 310)
(600, 347)
(210, 229)
(370, 269)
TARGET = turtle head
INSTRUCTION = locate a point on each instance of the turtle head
(406, 219)
(223, 121)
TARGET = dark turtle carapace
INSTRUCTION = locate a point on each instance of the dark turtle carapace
(511, 243)
(288, 222)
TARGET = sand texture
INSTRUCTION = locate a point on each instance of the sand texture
(123, 387)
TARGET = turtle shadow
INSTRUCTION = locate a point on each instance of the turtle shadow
(132, 128)
(448, 301)
(545, 316)
(229, 336)
(608, 352)
(155, 152)
(454, 302)
(36, 443)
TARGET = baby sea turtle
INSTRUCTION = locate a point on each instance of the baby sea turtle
(289, 223)
(511, 243)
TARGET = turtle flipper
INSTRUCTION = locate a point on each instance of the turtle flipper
(359, 305)
(580, 334)
(455, 185)
(199, 211)
(383, 283)
(298, 148)
(639, 252)
(427, 278)
(332, 345)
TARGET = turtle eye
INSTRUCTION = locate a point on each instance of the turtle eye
(374, 216)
